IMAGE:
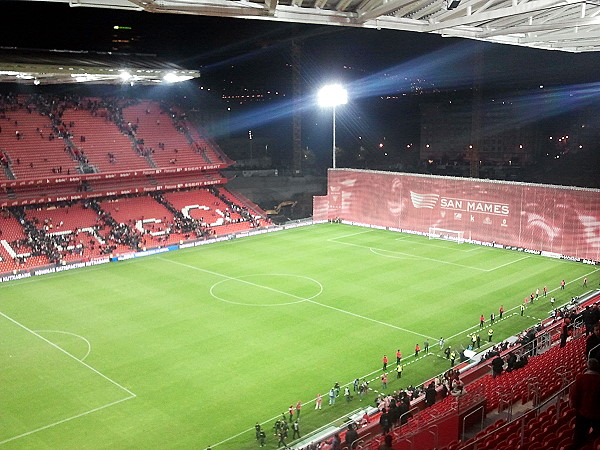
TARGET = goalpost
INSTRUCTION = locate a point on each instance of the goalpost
(447, 235)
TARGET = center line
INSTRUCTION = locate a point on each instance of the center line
(368, 318)
(297, 297)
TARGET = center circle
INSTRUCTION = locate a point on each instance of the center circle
(273, 289)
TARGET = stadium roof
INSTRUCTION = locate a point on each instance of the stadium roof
(565, 25)
(64, 67)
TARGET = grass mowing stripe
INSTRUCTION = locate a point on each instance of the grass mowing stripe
(67, 353)
(68, 419)
(89, 346)
(393, 254)
(449, 246)
(372, 320)
(203, 370)
(297, 297)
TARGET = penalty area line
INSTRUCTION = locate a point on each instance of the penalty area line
(349, 235)
(130, 396)
(45, 427)
(67, 353)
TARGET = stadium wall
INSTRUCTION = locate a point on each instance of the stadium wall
(557, 221)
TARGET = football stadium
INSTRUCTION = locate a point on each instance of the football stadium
(151, 307)
(149, 301)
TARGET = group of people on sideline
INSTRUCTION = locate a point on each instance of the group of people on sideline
(394, 408)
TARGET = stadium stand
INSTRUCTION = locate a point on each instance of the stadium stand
(156, 190)
(541, 419)
(544, 426)
(206, 147)
(32, 147)
(76, 227)
(161, 136)
(217, 210)
(106, 147)
(144, 216)
(12, 238)
(537, 417)
(77, 174)
(64, 232)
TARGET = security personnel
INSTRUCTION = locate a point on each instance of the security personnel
(399, 370)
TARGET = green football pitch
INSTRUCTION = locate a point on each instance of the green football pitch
(191, 348)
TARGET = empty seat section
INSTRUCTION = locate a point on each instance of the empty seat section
(11, 232)
(167, 146)
(32, 148)
(101, 141)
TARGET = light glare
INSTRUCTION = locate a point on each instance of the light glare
(333, 95)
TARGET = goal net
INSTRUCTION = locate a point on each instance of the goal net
(447, 235)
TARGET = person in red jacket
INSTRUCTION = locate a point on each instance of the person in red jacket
(417, 350)
(385, 361)
(584, 397)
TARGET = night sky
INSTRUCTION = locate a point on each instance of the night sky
(214, 43)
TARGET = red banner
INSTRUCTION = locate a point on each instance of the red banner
(556, 219)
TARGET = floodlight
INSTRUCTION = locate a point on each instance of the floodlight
(125, 75)
(333, 95)
(174, 78)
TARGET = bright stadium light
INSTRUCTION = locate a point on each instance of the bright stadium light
(333, 95)
(124, 75)
(174, 78)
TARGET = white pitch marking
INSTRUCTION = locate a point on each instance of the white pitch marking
(508, 263)
(377, 251)
(473, 249)
(300, 298)
(518, 306)
(392, 255)
(72, 334)
(240, 279)
(67, 353)
(349, 235)
(372, 320)
(343, 385)
(131, 394)
(430, 259)
(45, 427)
